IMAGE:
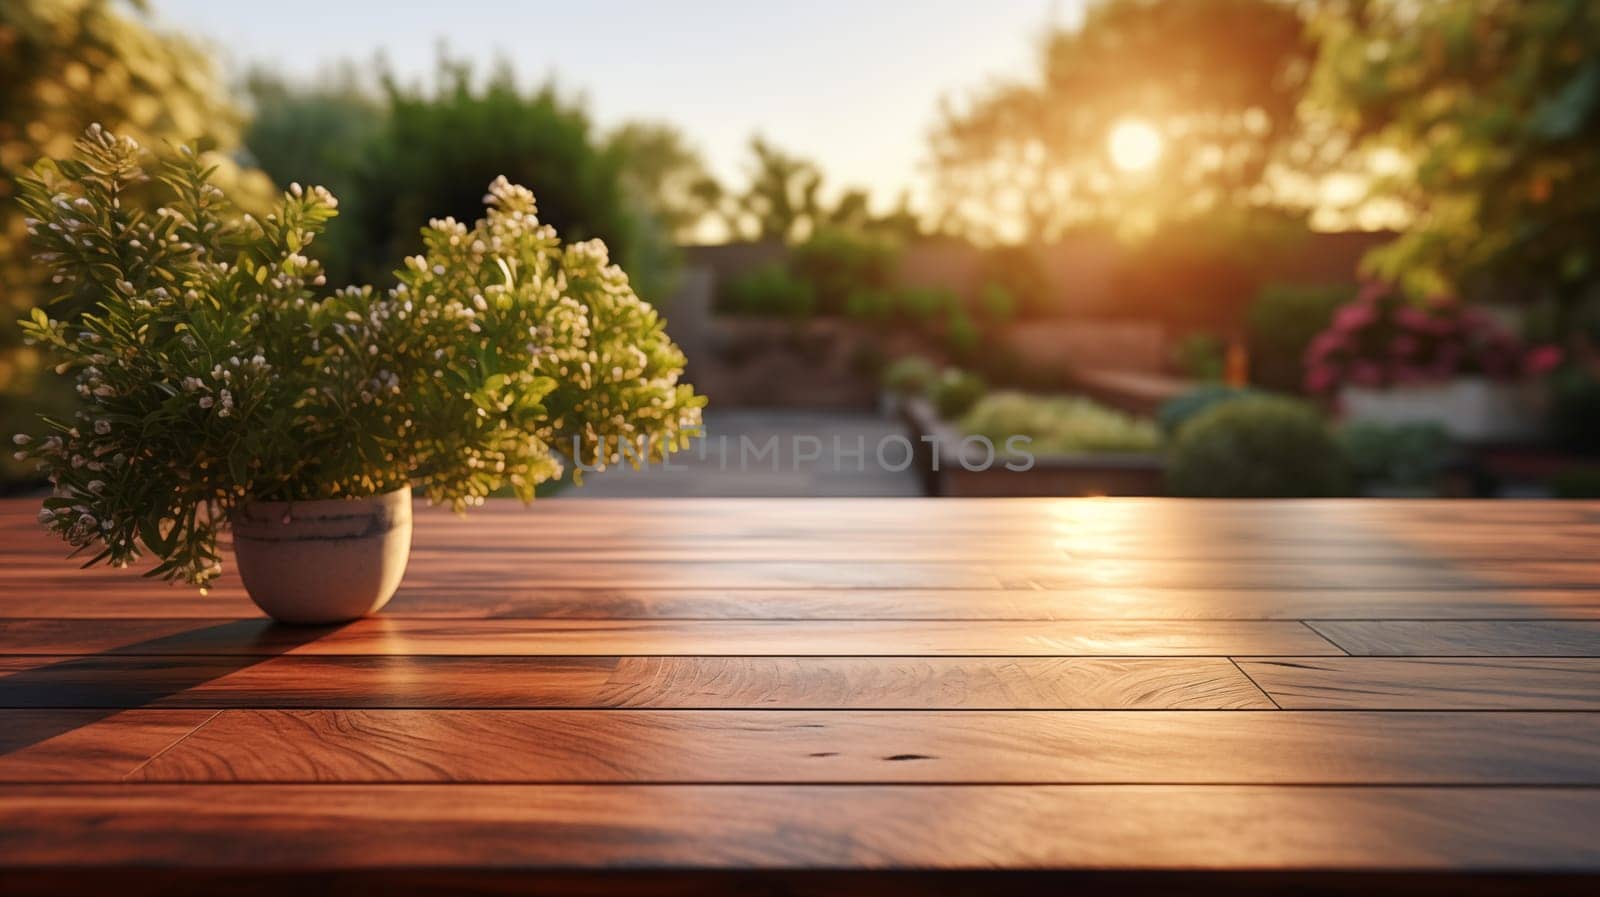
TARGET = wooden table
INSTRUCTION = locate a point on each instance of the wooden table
(813, 696)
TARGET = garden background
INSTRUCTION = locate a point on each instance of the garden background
(1232, 247)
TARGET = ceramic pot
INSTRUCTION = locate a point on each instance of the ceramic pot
(324, 561)
(1470, 409)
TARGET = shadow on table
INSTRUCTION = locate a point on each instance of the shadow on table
(140, 674)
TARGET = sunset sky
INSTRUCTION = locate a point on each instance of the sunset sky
(853, 85)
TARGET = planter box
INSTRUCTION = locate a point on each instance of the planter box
(1470, 409)
(945, 465)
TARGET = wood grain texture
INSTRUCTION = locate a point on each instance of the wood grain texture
(783, 827)
(87, 745)
(1445, 638)
(1375, 683)
(911, 638)
(1148, 747)
(144, 600)
(1034, 683)
(772, 689)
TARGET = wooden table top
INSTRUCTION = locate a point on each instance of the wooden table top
(814, 695)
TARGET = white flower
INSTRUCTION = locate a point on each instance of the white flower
(97, 486)
(46, 516)
(22, 439)
(206, 402)
(102, 427)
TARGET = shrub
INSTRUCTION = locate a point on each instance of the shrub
(955, 391)
(839, 262)
(1409, 457)
(1176, 412)
(215, 369)
(1281, 323)
(910, 375)
(1059, 425)
(1383, 339)
(1257, 447)
(996, 303)
(1201, 356)
(961, 335)
(769, 291)
(923, 306)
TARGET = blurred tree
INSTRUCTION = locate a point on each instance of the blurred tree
(661, 172)
(438, 149)
(317, 135)
(65, 64)
(783, 201)
(1489, 111)
(1218, 80)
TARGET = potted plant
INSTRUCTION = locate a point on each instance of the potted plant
(1392, 361)
(223, 385)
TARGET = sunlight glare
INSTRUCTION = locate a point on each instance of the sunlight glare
(1135, 145)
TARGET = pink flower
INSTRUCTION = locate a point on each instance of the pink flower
(1541, 360)
(1366, 373)
(1354, 316)
(1321, 378)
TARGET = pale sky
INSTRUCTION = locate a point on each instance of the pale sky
(853, 84)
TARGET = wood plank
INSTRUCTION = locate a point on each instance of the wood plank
(144, 600)
(915, 638)
(575, 682)
(983, 747)
(87, 745)
(281, 827)
(1338, 683)
(1501, 638)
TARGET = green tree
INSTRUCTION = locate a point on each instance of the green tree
(1489, 112)
(437, 147)
(317, 135)
(662, 173)
(1218, 79)
(65, 64)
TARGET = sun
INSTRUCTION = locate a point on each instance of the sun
(1135, 145)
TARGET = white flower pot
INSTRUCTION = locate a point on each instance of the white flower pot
(1470, 409)
(324, 561)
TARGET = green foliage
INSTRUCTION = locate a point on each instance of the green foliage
(1059, 425)
(1494, 108)
(664, 175)
(1177, 411)
(955, 391)
(1281, 323)
(1201, 356)
(63, 65)
(839, 263)
(996, 303)
(769, 291)
(961, 334)
(782, 202)
(1408, 457)
(1257, 447)
(1021, 273)
(910, 375)
(215, 370)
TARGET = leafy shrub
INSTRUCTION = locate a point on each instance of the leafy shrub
(1403, 456)
(1059, 425)
(769, 291)
(1018, 271)
(1383, 339)
(955, 391)
(875, 306)
(216, 370)
(1176, 412)
(1257, 447)
(961, 334)
(840, 262)
(996, 303)
(923, 306)
(1281, 323)
(910, 375)
(1201, 356)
